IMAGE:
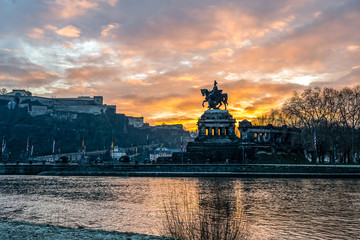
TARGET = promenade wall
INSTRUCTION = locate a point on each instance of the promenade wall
(186, 170)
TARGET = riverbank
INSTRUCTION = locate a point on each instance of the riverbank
(29, 231)
(184, 170)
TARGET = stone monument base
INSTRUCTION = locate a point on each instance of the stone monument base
(217, 142)
(213, 152)
(216, 125)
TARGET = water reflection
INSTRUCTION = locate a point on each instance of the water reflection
(274, 208)
(209, 211)
(302, 208)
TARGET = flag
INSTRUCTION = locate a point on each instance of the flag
(315, 140)
(83, 146)
(112, 148)
(32, 150)
(3, 145)
(53, 151)
(181, 147)
(27, 146)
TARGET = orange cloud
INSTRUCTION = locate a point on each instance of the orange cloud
(50, 27)
(107, 29)
(36, 33)
(71, 8)
(136, 82)
(69, 31)
(353, 48)
(222, 53)
(69, 45)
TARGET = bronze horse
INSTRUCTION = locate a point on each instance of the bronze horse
(214, 99)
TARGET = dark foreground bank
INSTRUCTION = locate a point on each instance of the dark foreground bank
(22, 230)
(184, 170)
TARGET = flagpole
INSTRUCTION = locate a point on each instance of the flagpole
(3, 145)
(3, 148)
(53, 149)
(27, 148)
(182, 154)
(315, 146)
(83, 147)
(148, 147)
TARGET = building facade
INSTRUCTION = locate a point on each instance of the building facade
(137, 122)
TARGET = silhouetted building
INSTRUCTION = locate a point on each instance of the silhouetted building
(179, 127)
(267, 134)
(162, 155)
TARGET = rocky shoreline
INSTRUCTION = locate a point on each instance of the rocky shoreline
(29, 231)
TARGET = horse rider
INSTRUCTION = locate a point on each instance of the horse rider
(215, 88)
(215, 92)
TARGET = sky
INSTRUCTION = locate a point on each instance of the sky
(150, 58)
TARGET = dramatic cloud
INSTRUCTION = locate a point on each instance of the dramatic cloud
(151, 58)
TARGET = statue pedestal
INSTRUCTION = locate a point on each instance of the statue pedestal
(217, 142)
(215, 125)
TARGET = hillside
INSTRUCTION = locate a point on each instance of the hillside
(69, 130)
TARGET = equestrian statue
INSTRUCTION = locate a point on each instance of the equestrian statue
(215, 97)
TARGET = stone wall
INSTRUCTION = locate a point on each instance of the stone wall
(211, 170)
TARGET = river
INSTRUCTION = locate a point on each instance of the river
(272, 208)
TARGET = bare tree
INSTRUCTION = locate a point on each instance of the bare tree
(349, 109)
(275, 117)
(306, 108)
(316, 112)
(334, 116)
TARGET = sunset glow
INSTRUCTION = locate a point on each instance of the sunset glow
(151, 58)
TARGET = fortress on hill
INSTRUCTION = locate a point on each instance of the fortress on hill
(62, 107)
(42, 105)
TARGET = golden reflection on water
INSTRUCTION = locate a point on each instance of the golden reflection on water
(206, 209)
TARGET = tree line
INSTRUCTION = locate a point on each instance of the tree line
(329, 120)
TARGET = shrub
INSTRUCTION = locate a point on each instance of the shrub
(203, 218)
